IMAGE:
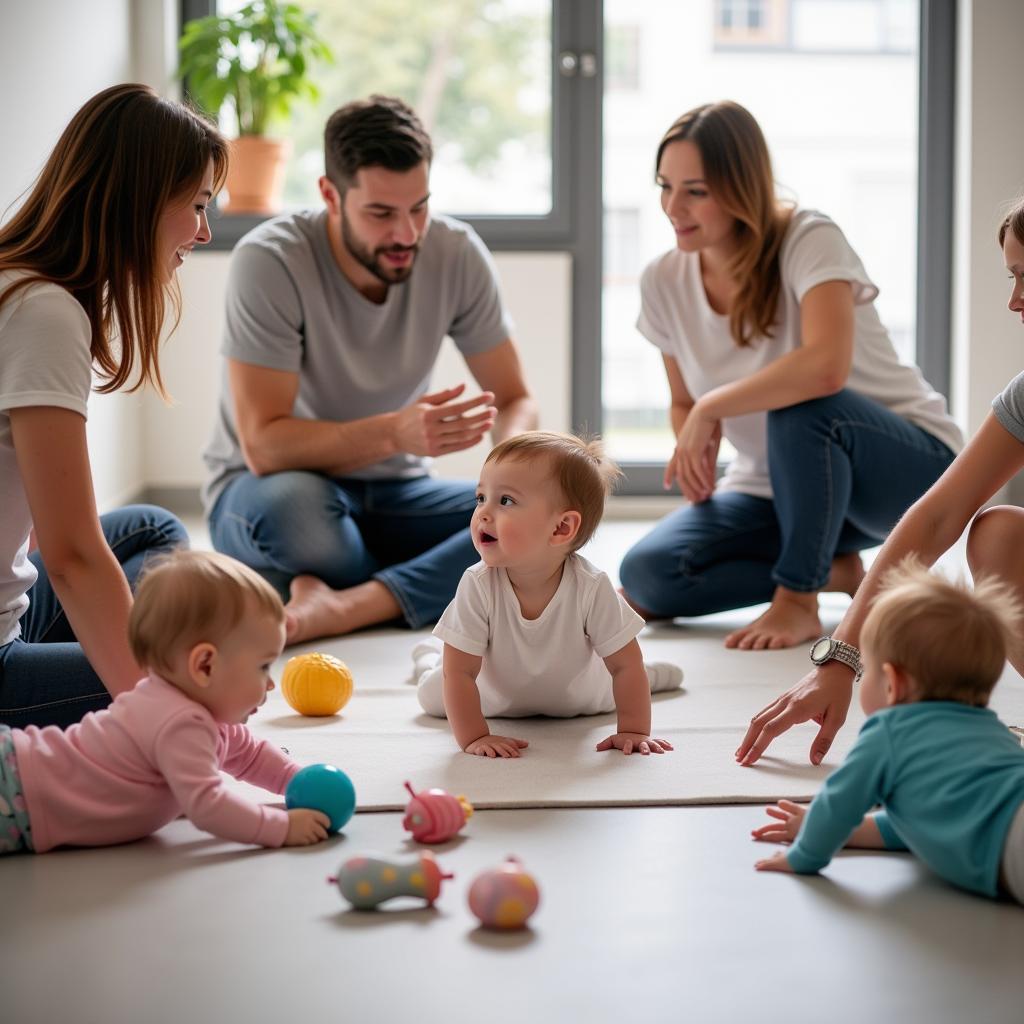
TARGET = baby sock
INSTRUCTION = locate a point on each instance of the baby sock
(664, 676)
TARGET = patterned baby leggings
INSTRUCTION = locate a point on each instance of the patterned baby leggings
(15, 828)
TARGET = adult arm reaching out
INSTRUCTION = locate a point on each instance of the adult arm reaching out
(930, 527)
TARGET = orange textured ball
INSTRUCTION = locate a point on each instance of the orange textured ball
(316, 684)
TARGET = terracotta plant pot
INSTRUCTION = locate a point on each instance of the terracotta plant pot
(255, 175)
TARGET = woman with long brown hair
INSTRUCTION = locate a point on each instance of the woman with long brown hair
(766, 322)
(87, 265)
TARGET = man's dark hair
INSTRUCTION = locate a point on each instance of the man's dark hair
(377, 132)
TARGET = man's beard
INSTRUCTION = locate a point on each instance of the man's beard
(370, 259)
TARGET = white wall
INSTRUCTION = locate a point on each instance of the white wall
(988, 347)
(535, 287)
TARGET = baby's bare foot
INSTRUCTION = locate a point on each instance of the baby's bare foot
(791, 619)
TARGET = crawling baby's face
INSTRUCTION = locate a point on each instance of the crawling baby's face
(518, 510)
(240, 679)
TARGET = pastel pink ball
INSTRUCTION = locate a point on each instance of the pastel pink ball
(504, 898)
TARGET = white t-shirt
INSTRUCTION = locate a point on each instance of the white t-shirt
(551, 665)
(676, 316)
(44, 360)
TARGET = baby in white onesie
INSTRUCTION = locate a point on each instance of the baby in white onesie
(534, 628)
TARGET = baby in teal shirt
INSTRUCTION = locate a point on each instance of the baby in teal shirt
(947, 774)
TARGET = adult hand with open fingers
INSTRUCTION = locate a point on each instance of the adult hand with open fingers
(789, 817)
(306, 827)
(496, 746)
(437, 424)
(822, 696)
(628, 742)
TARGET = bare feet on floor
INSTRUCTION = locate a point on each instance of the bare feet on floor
(792, 617)
(315, 610)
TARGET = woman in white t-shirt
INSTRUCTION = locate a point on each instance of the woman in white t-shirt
(766, 322)
(91, 253)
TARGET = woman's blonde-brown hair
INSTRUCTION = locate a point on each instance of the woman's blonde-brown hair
(190, 597)
(1013, 221)
(582, 470)
(952, 640)
(91, 219)
(738, 173)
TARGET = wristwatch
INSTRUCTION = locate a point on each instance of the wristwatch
(829, 649)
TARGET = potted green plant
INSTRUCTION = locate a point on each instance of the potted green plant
(257, 61)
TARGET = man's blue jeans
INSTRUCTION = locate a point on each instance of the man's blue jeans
(45, 677)
(411, 535)
(843, 470)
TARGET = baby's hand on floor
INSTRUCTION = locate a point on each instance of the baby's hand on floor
(776, 862)
(627, 742)
(790, 817)
(306, 827)
(496, 746)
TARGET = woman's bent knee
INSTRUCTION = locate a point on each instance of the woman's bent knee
(644, 577)
(995, 537)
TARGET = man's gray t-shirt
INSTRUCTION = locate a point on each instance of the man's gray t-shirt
(289, 307)
(1008, 407)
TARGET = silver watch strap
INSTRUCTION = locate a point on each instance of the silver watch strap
(847, 654)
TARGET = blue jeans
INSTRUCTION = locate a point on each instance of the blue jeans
(45, 677)
(843, 470)
(411, 535)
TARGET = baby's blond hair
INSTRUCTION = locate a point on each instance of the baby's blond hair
(188, 597)
(951, 640)
(580, 467)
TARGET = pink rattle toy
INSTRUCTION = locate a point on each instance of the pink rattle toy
(505, 897)
(434, 815)
(368, 880)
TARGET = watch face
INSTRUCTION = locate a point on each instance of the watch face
(821, 650)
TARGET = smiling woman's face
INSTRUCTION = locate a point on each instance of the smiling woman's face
(184, 225)
(697, 218)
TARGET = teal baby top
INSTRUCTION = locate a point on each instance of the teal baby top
(949, 777)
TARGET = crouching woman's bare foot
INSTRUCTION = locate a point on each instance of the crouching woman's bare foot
(315, 610)
(792, 617)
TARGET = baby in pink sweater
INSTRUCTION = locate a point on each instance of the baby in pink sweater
(207, 629)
